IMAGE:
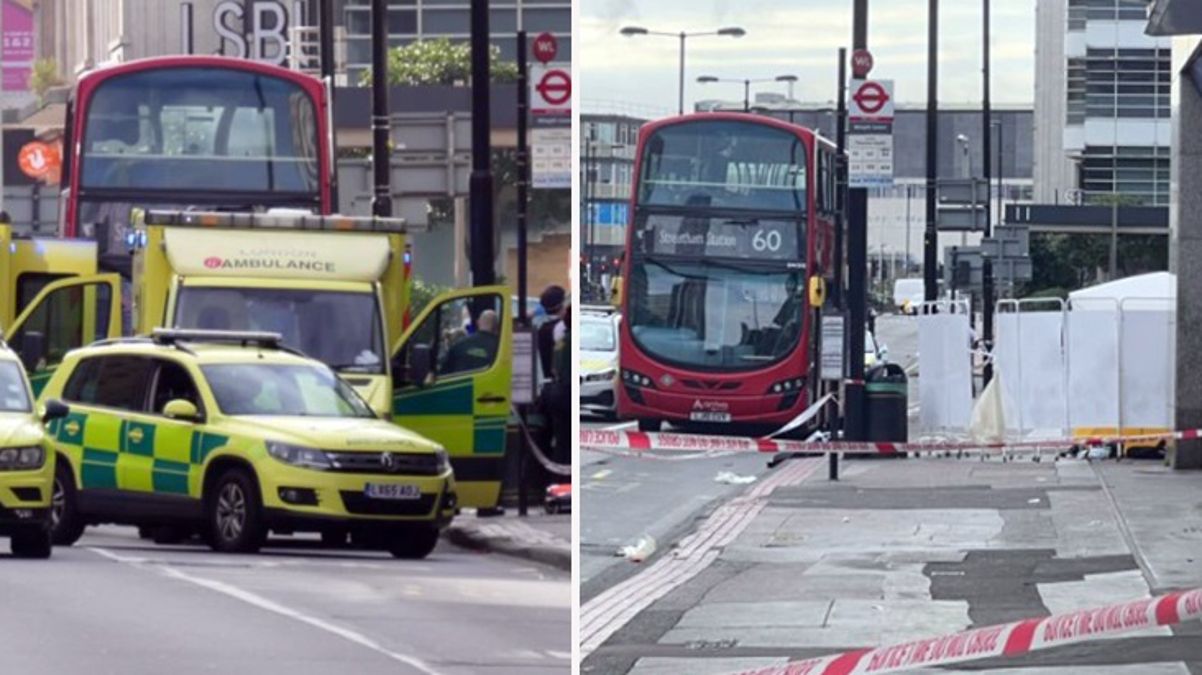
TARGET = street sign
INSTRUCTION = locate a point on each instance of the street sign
(545, 48)
(960, 218)
(870, 133)
(38, 159)
(550, 91)
(872, 100)
(523, 383)
(831, 361)
(963, 267)
(551, 158)
(1013, 241)
(861, 63)
(966, 191)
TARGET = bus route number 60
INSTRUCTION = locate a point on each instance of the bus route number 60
(766, 241)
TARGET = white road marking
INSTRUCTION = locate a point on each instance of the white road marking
(271, 606)
(601, 474)
(623, 425)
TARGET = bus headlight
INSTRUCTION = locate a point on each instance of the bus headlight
(632, 378)
(22, 458)
(788, 386)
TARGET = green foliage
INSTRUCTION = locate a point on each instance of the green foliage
(429, 62)
(1065, 262)
(44, 76)
(421, 294)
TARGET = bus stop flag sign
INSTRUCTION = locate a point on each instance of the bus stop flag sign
(551, 125)
(870, 133)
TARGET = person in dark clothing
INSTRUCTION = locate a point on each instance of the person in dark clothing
(476, 351)
(561, 404)
(552, 301)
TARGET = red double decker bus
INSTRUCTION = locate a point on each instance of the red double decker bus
(731, 215)
(209, 132)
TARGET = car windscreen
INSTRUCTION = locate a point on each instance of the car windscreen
(280, 389)
(341, 329)
(597, 335)
(14, 397)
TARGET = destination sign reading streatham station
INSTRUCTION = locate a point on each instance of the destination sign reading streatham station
(747, 238)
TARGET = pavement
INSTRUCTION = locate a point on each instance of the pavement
(794, 566)
(904, 549)
(115, 604)
(539, 537)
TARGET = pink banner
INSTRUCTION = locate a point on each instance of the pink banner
(17, 46)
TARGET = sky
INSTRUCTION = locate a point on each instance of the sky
(639, 75)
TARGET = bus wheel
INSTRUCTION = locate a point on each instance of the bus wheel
(649, 425)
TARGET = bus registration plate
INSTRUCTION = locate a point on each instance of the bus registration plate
(709, 416)
(392, 491)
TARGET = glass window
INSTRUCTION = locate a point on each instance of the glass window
(446, 22)
(463, 334)
(120, 382)
(29, 284)
(597, 335)
(550, 19)
(278, 389)
(719, 317)
(67, 318)
(724, 164)
(200, 129)
(402, 22)
(14, 395)
(341, 329)
(172, 382)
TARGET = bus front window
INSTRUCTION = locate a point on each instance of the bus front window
(715, 316)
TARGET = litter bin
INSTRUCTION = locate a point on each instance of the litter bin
(886, 394)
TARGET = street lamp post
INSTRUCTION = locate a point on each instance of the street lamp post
(731, 31)
(706, 79)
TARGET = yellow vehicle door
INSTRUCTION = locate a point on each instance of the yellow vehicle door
(66, 314)
(451, 383)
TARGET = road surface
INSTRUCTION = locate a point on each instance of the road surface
(116, 604)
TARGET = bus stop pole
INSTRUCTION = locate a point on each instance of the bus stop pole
(381, 203)
(522, 206)
(481, 185)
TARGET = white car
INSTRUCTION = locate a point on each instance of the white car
(598, 363)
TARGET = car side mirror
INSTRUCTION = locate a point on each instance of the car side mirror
(32, 350)
(421, 364)
(179, 409)
(884, 352)
(54, 409)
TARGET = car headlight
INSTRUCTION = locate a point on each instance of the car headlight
(298, 455)
(22, 459)
(443, 459)
(600, 376)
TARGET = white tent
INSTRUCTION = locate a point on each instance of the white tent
(1154, 285)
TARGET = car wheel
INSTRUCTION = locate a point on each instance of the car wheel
(66, 526)
(33, 543)
(649, 425)
(413, 544)
(234, 514)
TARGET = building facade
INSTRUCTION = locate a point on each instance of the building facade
(413, 20)
(1103, 97)
(607, 152)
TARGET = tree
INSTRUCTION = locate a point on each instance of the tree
(44, 76)
(431, 62)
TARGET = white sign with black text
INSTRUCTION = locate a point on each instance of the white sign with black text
(551, 158)
(831, 359)
(870, 133)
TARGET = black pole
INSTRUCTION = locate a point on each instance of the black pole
(841, 179)
(325, 39)
(523, 174)
(930, 238)
(325, 36)
(381, 203)
(857, 273)
(746, 95)
(987, 128)
(188, 34)
(590, 188)
(483, 273)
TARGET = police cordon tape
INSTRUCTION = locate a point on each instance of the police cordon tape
(641, 441)
(1004, 640)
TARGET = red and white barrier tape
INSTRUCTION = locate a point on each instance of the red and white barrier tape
(639, 441)
(1005, 640)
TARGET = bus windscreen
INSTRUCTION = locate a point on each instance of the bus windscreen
(200, 129)
(724, 164)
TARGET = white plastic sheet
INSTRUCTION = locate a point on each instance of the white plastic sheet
(1093, 355)
(1030, 355)
(1148, 350)
(944, 372)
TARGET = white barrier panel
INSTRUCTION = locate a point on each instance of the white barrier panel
(945, 372)
(1030, 358)
(1147, 374)
(1093, 351)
